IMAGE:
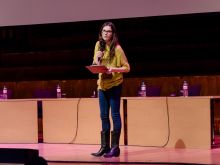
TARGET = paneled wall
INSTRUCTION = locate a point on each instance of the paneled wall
(85, 87)
(176, 45)
(162, 50)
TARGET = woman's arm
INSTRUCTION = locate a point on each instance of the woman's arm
(97, 58)
(123, 62)
(97, 55)
(121, 69)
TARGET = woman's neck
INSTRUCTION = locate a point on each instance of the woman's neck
(108, 43)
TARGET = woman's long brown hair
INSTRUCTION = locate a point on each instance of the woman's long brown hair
(114, 40)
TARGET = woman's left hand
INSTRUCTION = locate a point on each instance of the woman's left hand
(110, 70)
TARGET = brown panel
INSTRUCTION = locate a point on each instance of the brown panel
(147, 121)
(18, 121)
(190, 122)
(59, 120)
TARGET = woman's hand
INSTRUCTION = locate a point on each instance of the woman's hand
(115, 69)
(109, 71)
(99, 55)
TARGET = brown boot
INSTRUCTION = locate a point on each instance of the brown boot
(115, 150)
(105, 146)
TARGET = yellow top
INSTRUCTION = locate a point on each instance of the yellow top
(107, 81)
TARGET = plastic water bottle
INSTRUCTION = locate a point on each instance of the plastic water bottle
(5, 93)
(59, 91)
(94, 94)
(185, 89)
(143, 89)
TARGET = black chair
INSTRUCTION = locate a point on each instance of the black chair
(193, 90)
(44, 93)
(153, 90)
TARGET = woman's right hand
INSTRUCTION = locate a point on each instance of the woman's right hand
(99, 55)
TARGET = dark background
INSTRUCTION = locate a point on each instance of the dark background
(177, 45)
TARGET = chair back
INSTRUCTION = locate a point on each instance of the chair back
(153, 90)
(195, 90)
(44, 93)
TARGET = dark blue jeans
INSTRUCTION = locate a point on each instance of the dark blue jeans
(110, 99)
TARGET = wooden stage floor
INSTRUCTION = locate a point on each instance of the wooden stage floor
(67, 154)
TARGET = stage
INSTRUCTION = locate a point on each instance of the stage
(61, 154)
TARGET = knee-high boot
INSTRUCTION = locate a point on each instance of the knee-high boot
(105, 146)
(115, 150)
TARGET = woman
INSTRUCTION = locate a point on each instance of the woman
(108, 52)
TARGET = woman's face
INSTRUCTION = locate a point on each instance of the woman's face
(107, 34)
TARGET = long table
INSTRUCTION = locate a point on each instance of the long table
(177, 122)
